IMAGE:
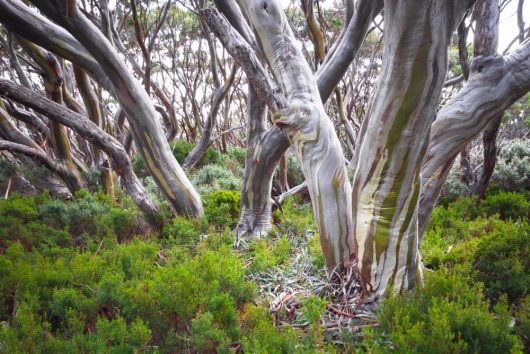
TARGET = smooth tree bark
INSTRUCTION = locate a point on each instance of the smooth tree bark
(394, 137)
(310, 131)
(264, 149)
(92, 133)
(105, 66)
(275, 145)
(494, 84)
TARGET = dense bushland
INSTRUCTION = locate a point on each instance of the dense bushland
(88, 275)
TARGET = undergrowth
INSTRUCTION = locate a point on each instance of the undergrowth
(88, 276)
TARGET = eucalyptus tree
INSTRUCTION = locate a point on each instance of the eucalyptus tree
(74, 37)
(377, 234)
(401, 153)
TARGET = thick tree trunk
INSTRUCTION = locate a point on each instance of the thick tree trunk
(328, 76)
(495, 83)
(311, 132)
(394, 138)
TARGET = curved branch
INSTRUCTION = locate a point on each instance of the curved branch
(494, 85)
(91, 132)
(143, 118)
(59, 168)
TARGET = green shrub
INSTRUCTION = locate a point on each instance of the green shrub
(512, 171)
(261, 336)
(182, 231)
(210, 157)
(181, 149)
(294, 218)
(207, 336)
(214, 177)
(313, 307)
(239, 154)
(502, 261)
(266, 255)
(508, 205)
(315, 251)
(448, 315)
(523, 322)
(222, 208)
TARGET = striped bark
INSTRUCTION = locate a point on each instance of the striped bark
(105, 66)
(495, 83)
(272, 144)
(310, 131)
(394, 138)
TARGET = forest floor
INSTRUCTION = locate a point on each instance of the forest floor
(87, 276)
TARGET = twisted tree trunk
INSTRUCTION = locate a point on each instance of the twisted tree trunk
(310, 131)
(495, 83)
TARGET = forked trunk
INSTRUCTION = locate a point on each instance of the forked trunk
(311, 132)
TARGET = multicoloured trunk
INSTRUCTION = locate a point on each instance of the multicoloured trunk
(310, 131)
(394, 138)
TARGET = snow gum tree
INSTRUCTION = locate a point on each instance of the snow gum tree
(371, 225)
(379, 236)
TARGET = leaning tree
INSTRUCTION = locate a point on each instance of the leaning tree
(372, 225)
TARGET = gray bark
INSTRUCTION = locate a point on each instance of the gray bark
(90, 132)
(310, 131)
(495, 83)
(105, 66)
(146, 129)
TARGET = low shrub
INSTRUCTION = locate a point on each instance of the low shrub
(222, 208)
(214, 177)
(266, 255)
(448, 315)
(502, 262)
